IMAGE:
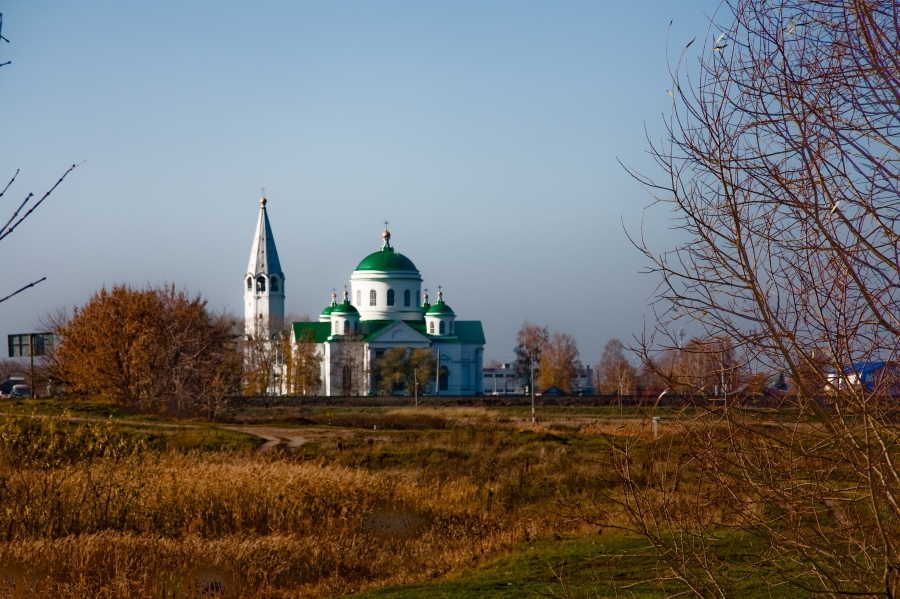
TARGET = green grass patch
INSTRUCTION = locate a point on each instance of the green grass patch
(581, 566)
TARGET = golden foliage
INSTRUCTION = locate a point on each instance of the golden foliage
(155, 349)
(559, 362)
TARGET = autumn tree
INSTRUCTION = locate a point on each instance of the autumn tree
(302, 364)
(614, 373)
(391, 369)
(559, 362)
(420, 370)
(152, 349)
(530, 343)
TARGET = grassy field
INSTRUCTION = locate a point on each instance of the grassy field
(386, 502)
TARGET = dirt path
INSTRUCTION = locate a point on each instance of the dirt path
(289, 438)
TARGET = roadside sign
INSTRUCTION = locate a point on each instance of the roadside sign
(30, 345)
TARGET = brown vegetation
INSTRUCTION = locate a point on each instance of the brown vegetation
(89, 512)
(153, 349)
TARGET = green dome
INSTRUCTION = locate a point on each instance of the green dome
(440, 308)
(345, 307)
(387, 259)
(330, 307)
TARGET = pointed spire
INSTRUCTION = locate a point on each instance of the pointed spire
(263, 254)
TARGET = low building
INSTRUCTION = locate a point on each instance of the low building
(502, 380)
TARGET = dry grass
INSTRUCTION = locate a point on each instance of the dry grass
(121, 521)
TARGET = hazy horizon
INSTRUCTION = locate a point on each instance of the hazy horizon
(488, 134)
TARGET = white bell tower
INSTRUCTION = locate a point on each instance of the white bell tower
(264, 281)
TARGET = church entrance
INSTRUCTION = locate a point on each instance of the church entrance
(444, 383)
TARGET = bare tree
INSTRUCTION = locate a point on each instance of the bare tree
(350, 369)
(614, 373)
(781, 168)
(18, 216)
(530, 343)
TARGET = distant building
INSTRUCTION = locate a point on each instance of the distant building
(584, 381)
(502, 380)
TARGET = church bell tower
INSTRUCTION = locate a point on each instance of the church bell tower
(264, 281)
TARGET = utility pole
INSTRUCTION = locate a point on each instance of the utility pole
(437, 378)
(416, 379)
(31, 351)
(532, 390)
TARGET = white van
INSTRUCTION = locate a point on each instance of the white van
(21, 391)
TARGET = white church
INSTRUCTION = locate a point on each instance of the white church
(384, 309)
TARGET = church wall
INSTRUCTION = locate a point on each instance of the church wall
(363, 284)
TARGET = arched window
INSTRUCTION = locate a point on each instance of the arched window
(444, 379)
(261, 284)
(274, 283)
(249, 283)
(346, 327)
(372, 297)
(390, 297)
(406, 298)
(442, 327)
(356, 326)
(431, 327)
(358, 297)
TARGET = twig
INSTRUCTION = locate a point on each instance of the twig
(22, 289)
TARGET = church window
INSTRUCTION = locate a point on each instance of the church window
(444, 379)
(358, 297)
(442, 327)
(431, 327)
(346, 327)
(249, 283)
(261, 284)
(372, 297)
(390, 297)
(406, 298)
(274, 283)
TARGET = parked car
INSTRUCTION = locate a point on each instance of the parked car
(21, 391)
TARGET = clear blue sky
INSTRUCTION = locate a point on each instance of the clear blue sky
(487, 133)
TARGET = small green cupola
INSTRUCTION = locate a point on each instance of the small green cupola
(440, 318)
(325, 316)
(344, 318)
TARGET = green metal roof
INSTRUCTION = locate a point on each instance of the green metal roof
(345, 307)
(466, 331)
(469, 331)
(387, 259)
(320, 331)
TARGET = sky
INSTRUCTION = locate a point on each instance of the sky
(489, 134)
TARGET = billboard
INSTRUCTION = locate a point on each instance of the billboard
(30, 344)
